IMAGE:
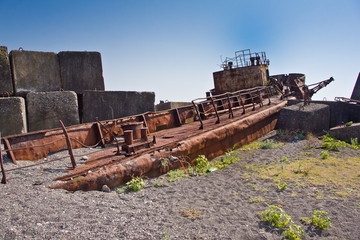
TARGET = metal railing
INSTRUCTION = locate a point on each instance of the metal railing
(227, 102)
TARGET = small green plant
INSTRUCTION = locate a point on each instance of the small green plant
(256, 200)
(348, 124)
(283, 160)
(301, 135)
(320, 219)
(332, 143)
(136, 184)
(201, 162)
(354, 143)
(175, 175)
(267, 144)
(282, 186)
(158, 183)
(276, 216)
(324, 154)
(293, 232)
(191, 213)
(305, 220)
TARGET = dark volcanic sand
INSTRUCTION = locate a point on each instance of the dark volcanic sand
(32, 211)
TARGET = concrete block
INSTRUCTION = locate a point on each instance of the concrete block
(356, 92)
(81, 71)
(107, 105)
(45, 109)
(35, 71)
(345, 133)
(12, 116)
(171, 105)
(311, 118)
(6, 85)
(340, 112)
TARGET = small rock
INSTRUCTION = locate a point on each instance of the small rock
(84, 158)
(105, 188)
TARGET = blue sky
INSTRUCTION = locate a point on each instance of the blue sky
(173, 47)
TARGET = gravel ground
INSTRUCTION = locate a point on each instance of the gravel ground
(219, 201)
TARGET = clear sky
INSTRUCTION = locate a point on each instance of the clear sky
(172, 47)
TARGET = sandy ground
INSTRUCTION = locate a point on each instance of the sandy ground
(220, 201)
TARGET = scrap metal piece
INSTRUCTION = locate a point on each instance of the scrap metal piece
(68, 142)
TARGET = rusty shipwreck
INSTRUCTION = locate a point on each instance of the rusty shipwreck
(243, 106)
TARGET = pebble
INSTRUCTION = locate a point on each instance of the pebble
(105, 188)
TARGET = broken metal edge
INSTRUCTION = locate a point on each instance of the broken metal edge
(211, 144)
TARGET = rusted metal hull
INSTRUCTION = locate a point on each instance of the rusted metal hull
(213, 141)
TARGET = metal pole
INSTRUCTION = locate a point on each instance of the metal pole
(231, 114)
(217, 115)
(72, 158)
(198, 114)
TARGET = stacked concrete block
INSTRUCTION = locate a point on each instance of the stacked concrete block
(45, 109)
(115, 104)
(313, 118)
(356, 92)
(81, 71)
(12, 116)
(170, 105)
(6, 85)
(35, 71)
(346, 133)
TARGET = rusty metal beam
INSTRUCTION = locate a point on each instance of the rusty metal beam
(68, 142)
(9, 150)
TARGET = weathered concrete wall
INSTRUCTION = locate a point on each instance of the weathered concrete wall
(6, 85)
(81, 71)
(12, 116)
(35, 71)
(345, 133)
(356, 92)
(311, 118)
(45, 109)
(340, 112)
(171, 105)
(107, 105)
(239, 78)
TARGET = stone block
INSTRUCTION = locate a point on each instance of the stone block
(81, 71)
(107, 105)
(45, 109)
(35, 71)
(313, 118)
(170, 105)
(12, 116)
(345, 133)
(356, 92)
(6, 85)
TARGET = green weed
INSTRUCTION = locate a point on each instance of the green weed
(136, 184)
(320, 219)
(175, 175)
(256, 200)
(324, 154)
(293, 232)
(276, 216)
(282, 186)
